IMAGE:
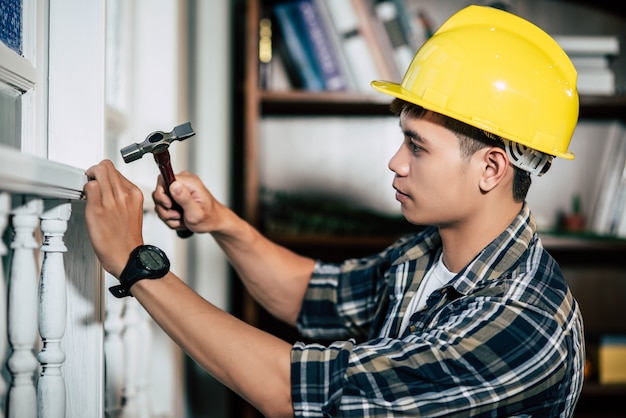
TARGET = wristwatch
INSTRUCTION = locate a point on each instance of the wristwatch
(144, 262)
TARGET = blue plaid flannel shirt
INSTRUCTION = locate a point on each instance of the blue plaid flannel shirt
(503, 338)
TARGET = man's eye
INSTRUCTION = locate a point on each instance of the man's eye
(414, 147)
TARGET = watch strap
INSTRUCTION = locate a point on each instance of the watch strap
(123, 290)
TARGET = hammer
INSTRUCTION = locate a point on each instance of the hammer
(158, 144)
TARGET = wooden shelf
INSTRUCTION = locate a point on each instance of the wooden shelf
(603, 107)
(594, 388)
(556, 240)
(551, 240)
(585, 248)
(570, 248)
(304, 103)
(597, 400)
(323, 104)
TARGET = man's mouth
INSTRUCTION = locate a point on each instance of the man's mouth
(400, 195)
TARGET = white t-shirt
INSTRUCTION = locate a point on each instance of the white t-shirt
(435, 278)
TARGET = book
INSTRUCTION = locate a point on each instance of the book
(588, 45)
(355, 48)
(584, 62)
(277, 77)
(295, 50)
(377, 40)
(611, 168)
(590, 56)
(612, 359)
(323, 50)
(388, 13)
(620, 228)
(335, 39)
(265, 52)
(416, 26)
(598, 81)
(618, 213)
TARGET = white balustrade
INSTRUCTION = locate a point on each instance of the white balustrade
(62, 357)
(35, 206)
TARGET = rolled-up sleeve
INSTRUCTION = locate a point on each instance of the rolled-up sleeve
(342, 299)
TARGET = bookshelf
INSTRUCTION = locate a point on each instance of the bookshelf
(583, 255)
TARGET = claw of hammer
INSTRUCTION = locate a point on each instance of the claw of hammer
(157, 143)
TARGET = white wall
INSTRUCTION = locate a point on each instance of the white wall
(339, 157)
(210, 157)
(209, 106)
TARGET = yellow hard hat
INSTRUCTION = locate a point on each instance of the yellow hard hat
(498, 72)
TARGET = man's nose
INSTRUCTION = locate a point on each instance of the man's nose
(398, 163)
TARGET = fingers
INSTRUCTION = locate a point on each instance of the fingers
(113, 215)
(98, 186)
(163, 206)
(159, 195)
(189, 192)
(110, 181)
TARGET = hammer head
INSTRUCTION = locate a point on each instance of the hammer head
(156, 142)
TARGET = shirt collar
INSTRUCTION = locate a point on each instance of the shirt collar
(498, 257)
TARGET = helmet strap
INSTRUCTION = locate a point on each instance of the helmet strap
(528, 159)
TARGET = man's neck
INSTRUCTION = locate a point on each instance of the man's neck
(463, 241)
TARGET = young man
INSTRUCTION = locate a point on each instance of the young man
(470, 317)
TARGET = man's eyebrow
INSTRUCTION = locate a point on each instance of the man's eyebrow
(413, 135)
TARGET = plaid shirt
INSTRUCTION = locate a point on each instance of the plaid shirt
(503, 338)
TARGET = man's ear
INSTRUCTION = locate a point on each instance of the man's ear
(495, 168)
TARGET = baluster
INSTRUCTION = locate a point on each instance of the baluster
(132, 337)
(22, 312)
(5, 204)
(144, 331)
(113, 351)
(52, 312)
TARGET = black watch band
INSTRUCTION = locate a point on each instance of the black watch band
(144, 262)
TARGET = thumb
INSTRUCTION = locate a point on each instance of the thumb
(179, 193)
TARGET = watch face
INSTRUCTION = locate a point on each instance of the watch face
(152, 259)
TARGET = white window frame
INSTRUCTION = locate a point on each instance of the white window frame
(26, 74)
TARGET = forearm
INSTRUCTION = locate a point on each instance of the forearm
(274, 275)
(254, 364)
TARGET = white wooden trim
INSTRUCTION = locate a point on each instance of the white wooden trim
(15, 70)
(33, 175)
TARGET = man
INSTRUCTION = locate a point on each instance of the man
(470, 317)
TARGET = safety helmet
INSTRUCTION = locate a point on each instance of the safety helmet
(500, 73)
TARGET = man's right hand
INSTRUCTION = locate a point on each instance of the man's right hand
(199, 206)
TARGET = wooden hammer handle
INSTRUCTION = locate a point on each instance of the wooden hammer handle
(165, 167)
